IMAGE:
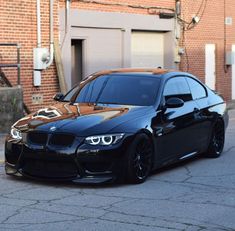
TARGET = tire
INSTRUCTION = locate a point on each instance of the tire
(216, 144)
(139, 159)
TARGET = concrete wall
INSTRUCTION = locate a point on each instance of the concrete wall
(11, 107)
(92, 27)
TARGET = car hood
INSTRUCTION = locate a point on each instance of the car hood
(81, 119)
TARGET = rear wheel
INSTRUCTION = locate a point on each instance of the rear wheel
(217, 140)
(139, 159)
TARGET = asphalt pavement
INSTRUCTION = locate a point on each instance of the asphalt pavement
(195, 195)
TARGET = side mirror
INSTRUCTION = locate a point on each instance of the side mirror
(174, 102)
(58, 96)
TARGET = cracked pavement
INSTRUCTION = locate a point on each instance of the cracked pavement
(195, 195)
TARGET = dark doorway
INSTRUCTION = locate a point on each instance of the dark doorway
(76, 61)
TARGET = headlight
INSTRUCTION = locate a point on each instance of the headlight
(104, 140)
(16, 134)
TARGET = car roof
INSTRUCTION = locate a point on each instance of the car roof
(134, 70)
(158, 72)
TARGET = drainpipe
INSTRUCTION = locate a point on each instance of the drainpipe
(67, 17)
(66, 20)
(42, 58)
(51, 35)
(37, 51)
(39, 42)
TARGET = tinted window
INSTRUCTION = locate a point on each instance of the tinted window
(197, 90)
(177, 87)
(69, 95)
(120, 89)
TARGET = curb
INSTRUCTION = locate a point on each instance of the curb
(231, 105)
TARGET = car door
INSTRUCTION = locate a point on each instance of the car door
(179, 126)
(200, 96)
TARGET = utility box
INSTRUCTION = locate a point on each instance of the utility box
(230, 58)
(11, 110)
(40, 58)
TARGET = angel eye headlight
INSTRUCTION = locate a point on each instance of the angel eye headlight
(104, 140)
(16, 134)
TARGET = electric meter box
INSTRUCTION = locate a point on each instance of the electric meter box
(40, 57)
(230, 58)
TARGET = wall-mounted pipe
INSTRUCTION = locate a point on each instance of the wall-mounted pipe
(67, 15)
(42, 58)
(51, 35)
(66, 20)
(39, 41)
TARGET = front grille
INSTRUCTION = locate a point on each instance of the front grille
(49, 169)
(61, 139)
(38, 138)
(57, 139)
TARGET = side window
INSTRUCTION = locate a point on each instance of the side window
(177, 87)
(198, 91)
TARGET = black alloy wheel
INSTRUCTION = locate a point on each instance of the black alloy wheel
(139, 159)
(217, 141)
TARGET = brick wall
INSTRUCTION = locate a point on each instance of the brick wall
(18, 25)
(210, 29)
(123, 9)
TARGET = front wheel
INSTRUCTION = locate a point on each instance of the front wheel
(139, 159)
(217, 141)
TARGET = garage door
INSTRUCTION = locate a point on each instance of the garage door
(147, 49)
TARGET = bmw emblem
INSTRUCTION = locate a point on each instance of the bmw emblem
(53, 128)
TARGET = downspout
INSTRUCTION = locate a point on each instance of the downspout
(67, 20)
(37, 68)
(39, 42)
(42, 58)
(51, 35)
(67, 15)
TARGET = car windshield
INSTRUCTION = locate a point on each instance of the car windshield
(120, 89)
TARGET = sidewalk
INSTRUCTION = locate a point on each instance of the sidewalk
(231, 105)
(2, 139)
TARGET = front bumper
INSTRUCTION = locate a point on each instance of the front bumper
(78, 163)
(86, 179)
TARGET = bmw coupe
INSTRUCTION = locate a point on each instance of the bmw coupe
(118, 125)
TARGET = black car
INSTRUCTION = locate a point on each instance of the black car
(118, 124)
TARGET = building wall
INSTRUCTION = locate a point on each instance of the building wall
(18, 25)
(107, 38)
(121, 7)
(210, 30)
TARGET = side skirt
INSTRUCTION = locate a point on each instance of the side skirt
(188, 155)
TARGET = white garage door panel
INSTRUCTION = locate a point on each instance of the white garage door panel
(147, 49)
(103, 48)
